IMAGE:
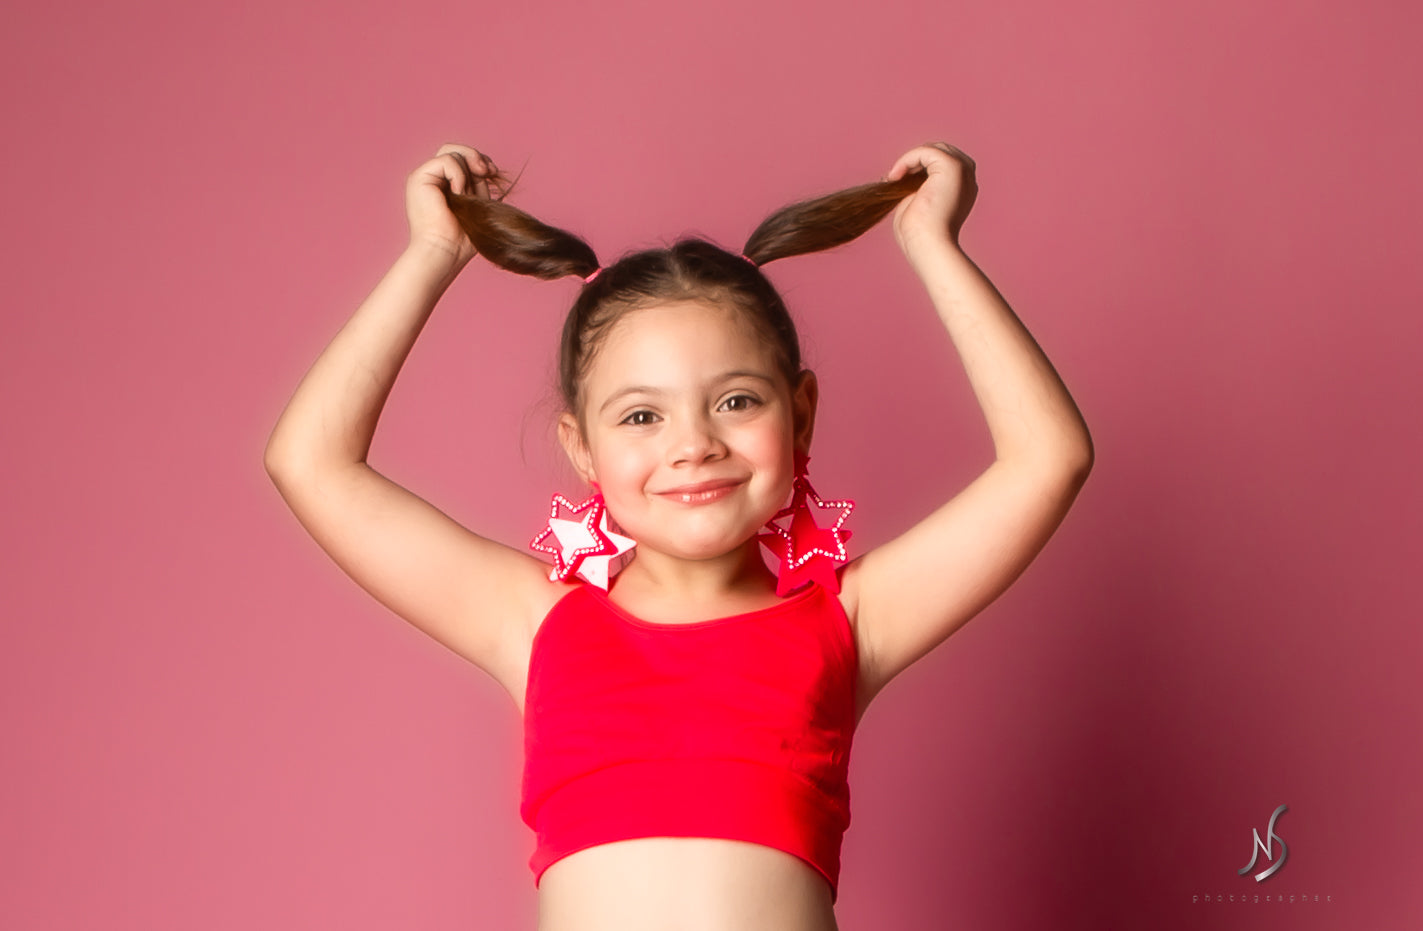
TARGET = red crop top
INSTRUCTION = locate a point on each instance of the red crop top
(737, 727)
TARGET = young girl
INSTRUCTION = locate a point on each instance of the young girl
(687, 720)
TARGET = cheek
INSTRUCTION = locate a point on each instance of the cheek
(771, 448)
(621, 466)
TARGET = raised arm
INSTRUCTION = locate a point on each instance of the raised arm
(910, 594)
(478, 597)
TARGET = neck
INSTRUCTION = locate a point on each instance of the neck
(739, 572)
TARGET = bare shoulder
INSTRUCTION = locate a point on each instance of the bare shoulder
(534, 598)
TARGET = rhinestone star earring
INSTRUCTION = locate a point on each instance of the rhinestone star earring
(807, 551)
(586, 545)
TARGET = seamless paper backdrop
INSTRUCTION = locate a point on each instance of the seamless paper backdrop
(1205, 213)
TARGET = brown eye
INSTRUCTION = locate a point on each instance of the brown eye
(740, 402)
(639, 418)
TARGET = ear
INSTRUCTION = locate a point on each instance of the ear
(571, 438)
(804, 397)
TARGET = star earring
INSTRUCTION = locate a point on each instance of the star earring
(807, 551)
(586, 545)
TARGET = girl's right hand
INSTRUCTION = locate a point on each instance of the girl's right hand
(458, 169)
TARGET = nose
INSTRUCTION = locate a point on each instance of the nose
(695, 440)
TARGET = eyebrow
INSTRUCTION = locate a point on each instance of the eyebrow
(648, 389)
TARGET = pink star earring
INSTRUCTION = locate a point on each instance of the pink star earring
(808, 552)
(586, 545)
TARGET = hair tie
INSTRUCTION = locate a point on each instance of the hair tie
(749, 259)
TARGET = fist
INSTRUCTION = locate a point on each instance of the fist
(936, 212)
(455, 170)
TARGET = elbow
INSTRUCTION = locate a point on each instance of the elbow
(1086, 455)
(274, 468)
(1076, 453)
(1067, 458)
(271, 458)
(1071, 467)
(1077, 461)
(287, 466)
(277, 459)
(285, 451)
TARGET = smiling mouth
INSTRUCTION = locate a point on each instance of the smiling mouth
(703, 495)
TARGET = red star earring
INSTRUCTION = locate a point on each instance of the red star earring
(586, 545)
(807, 551)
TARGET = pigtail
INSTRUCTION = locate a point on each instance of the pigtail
(513, 240)
(828, 221)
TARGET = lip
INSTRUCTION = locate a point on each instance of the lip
(701, 492)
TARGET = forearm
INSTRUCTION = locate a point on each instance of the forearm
(1030, 414)
(332, 416)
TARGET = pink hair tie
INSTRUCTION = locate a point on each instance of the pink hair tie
(749, 259)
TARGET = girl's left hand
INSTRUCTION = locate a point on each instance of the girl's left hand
(935, 212)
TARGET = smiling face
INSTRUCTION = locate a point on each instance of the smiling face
(689, 428)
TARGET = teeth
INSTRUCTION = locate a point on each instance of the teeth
(697, 497)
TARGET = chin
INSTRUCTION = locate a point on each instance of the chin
(710, 546)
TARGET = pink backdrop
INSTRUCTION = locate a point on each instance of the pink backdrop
(1206, 215)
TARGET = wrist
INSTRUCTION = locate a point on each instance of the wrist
(928, 251)
(437, 258)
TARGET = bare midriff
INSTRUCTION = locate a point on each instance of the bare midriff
(687, 883)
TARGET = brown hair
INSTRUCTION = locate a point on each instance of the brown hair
(691, 269)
